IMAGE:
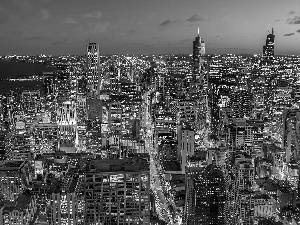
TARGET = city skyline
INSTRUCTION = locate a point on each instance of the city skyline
(147, 27)
(152, 139)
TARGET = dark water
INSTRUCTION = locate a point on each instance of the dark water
(19, 86)
(12, 68)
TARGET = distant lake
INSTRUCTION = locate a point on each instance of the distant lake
(19, 86)
(13, 68)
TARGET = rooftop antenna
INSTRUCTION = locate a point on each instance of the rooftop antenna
(198, 29)
(269, 27)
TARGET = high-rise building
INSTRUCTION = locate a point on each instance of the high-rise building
(66, 202)
(198, 56)
(221, 81)
(245, 135)
(117, 191)
(21, 211)
(290, 140)
(208, 198)
(268, 49)
(242, 187)
(241, 103)
(93, 66)
(186, 144)
(67, 125)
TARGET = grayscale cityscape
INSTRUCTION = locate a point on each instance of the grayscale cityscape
(161, 112)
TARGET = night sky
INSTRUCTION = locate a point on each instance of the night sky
(147, 26)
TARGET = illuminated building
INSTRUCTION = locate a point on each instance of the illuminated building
(246, 135)
(187, 112)
(207, 201)
(290, 140)
(186, 144)
(191, 173)
(15, 177)
(265, 206)
(67, 202)
(93, 73)
(165, 124)
(67, 125)
(268, 48)
(246, 214)
(63, 87)
(168, 149)
(245, 170)
(81, 106)
(221, 81)
(198, 57)
(49, 82)
(241, 103)
(30, 102)
(46, 137)
(22, 211)
(117, 191)
(243, 183)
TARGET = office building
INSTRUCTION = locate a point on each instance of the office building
(198, 58)
(117, 191)
(208, 198)
(93, 70)
(268, 48)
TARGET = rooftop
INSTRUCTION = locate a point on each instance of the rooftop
(20, 204)
(114, 165)
(171, 165)
(11, 165)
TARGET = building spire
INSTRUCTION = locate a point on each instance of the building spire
(198, 29)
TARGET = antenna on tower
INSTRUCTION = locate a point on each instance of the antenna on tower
(269, 27)
(198, 29)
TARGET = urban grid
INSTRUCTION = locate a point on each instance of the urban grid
(199, 139)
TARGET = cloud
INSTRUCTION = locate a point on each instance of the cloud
(93, 15)
(131, 31)
(298, 31)
(23, 4)
(45, 14)
(295, 20)
(99, 27)
(292, 12)
(62, 41)
(36, 38)
(70, 21)
(195, 18)
(4, 16)
(289, 34)
(165, 23)
(183, 42)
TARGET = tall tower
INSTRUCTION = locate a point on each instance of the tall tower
(93, 66)
(206, 197)
(268, 49)
(198, 56)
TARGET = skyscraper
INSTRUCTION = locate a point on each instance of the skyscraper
(207, 191)
(268, 49)
(198, 54)
(93, 65)
(117, 192)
